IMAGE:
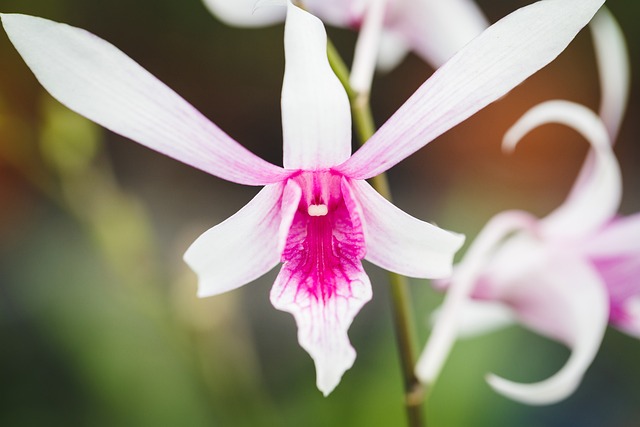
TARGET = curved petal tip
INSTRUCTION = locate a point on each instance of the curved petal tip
(546, 392)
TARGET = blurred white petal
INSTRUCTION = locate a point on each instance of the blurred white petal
(613, 67)
(615, 81)
(465, 275)
(476, 317)
(600, 195)
(246, 13)
(367, 47)
(437, 29)
(565, 301)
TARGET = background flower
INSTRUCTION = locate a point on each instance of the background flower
(542, 271)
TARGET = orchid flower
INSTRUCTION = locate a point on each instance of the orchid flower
(457, 316)
(389, 29)
(317, 215)
(564, 276)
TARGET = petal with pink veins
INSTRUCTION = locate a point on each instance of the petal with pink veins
(620, 274)
(97, 80)
(401, 243)
(316, 116)
(322, 282)
(245, 246)
(615, 252)
(484, 70)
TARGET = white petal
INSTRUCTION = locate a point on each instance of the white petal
(438, 29)
(341, 13)
(246, 13)
(614, 75)
(242, 248)
(401, 243)
(463, 281)
(484, 70)
(565, 301)
(482, 317)
(613, 68)
(98, 81)
(393, 49)
(316, 117)
(599, 197)
(367, 47)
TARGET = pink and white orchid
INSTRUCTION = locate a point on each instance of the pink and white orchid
(470, 318)
(564, 276)
(317, 215)
(389, 29)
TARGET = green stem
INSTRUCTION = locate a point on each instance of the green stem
(403, 319)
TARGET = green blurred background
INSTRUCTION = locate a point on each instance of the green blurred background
(99, 323)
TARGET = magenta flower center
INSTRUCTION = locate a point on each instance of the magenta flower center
(325, 242)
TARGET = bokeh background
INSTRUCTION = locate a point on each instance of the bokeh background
(99, 323)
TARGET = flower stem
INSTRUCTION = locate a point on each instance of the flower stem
(403, 319)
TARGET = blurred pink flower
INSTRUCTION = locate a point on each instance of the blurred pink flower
(317, 215)
(564, 276)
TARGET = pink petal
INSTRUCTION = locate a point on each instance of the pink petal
(437, 29)
(245, 246)
(615, 253)
(463, 281)
(629, 318)
(322, 282)
(621, 236)
(598, 200)
(621, 275)
(98, 81)
(563, 299)
(401, 243)
(484, 70)
(245, 13)
(316, 117)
